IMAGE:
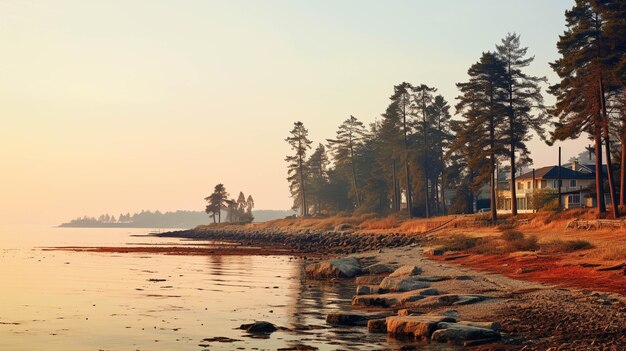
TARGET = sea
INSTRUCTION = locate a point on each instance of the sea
(67, 300)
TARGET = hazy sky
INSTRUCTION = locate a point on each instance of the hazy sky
(118, 106)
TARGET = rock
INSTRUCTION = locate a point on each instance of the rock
(418, 326)
(353, 318)
(408, 312)
(377, 325)
(367, 289)
(341, 267)
(260, 327)
(343, 226)
(446, 300)
(404, 283)
(487, 325)
(379, 268)
(392, 299)
(613, 268)
(406, 271)
(369, 280)
(435, 252)
(457, 332)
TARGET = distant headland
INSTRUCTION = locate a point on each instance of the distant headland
(158, 219)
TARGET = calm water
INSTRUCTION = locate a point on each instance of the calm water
(56, 300)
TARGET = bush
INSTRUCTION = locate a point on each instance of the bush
(562, 246)
(512, 235)
(521, 243)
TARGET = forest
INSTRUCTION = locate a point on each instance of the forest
(409, 159)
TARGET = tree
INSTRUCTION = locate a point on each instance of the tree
(317, 165)
(441, 137)
(587, 68)
(216, 201)
(401, 106)
(296, 169)
(249, 204)
(524, 103)
(481, 103)
(392, 151)
(423, 99)
(241, 202)
(349, 137)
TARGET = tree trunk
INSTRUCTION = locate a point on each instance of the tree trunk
(425, 161)
(394, 183)
(302, 190)
(356, 188)
(443, 195)
(622, 190)
(513, 170)
(409, 200)
(607, 150)
(601, 206)
(492, 162)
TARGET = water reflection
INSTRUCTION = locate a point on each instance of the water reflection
(77, 301)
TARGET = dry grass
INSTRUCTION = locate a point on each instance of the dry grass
(388, 222)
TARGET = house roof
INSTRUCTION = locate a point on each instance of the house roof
(551, 172)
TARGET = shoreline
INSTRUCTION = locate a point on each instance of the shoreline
(533, 315)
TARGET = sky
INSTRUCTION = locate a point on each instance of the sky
(118, 106)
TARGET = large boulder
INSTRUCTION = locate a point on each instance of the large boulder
(377, 325)
(405, 271)
(369, 280)
(406, 283)
(458, 332)
(338, 268)
(367, 289)
(379, 268)
(446, 300)
(392, 299)
(418, 326)
(353, 318)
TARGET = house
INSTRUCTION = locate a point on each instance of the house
(577, 183)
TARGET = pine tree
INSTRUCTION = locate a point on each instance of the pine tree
(423, 99)
(296, 169)
(482, 105)
(349, 138)
(441, 137)
(524, 104)
(318, 175)
(249, 204)
(586, 68)
(402, 106)
(217, 200)
(390, 134)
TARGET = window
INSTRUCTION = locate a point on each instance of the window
(520, 186)
(527, 185)
(572, 183)
(573, 199)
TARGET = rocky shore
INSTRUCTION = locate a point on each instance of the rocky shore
(343, 240)
(406, 295)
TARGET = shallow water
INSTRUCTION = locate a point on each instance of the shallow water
(57, 300)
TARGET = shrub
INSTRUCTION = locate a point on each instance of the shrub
(562, 246)
(521, 243)
(512, 235)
